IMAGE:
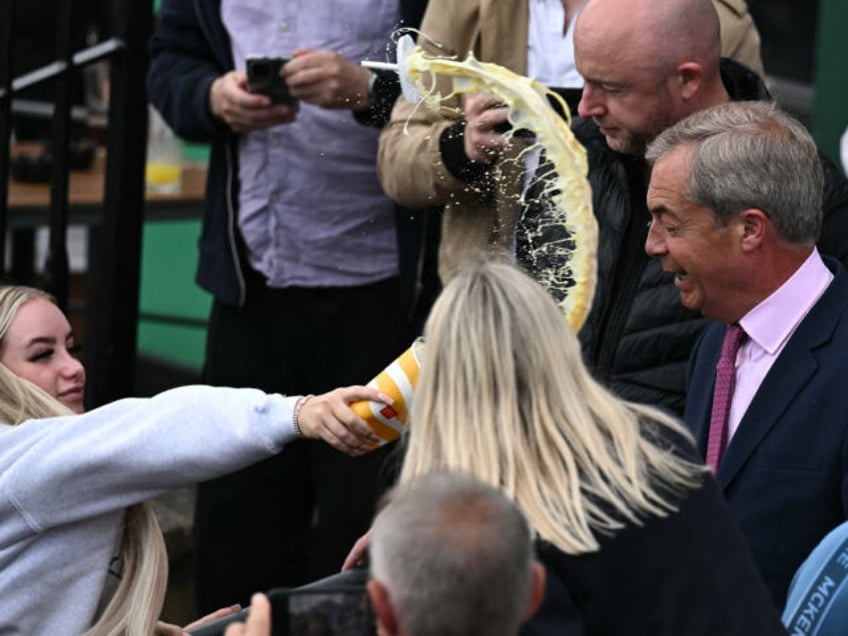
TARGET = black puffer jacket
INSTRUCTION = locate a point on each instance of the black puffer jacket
(638, 335)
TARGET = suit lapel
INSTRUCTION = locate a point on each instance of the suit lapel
(700, 383)
(790, 373)
(788, 376)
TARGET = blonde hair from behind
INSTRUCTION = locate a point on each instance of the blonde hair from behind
(137, 602)
(504, 396)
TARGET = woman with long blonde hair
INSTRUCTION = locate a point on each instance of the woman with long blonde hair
(628, 521)
(80, 550)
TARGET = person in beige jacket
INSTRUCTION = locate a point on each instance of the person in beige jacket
(740, 39)
(424, 157)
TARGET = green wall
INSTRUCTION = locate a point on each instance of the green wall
(830, 115)
(173, 309)
(168, 290)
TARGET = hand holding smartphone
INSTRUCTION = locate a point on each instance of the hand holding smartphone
(263, 77)
(328, 611)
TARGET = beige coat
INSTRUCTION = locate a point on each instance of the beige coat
(409, 161)
(739, 36)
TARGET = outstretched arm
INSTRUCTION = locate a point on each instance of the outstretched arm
(135, 449)
(329, 417)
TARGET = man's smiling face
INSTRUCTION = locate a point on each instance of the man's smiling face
(703, 256)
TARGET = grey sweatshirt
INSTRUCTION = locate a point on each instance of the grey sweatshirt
(65, 483)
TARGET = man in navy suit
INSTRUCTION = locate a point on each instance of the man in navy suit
(735, 202)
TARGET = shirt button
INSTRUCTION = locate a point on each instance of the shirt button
(285, 25)
(275, 197)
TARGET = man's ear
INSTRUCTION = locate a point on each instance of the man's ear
(754, 226)
(690, 77)
(537, 589)
(381, 603)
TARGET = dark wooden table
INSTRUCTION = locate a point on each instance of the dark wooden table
(29, 203)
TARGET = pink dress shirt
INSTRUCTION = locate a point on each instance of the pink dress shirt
(769, 326)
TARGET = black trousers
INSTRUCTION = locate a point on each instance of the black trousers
(292, 518)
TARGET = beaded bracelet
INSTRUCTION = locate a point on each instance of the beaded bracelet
(297, 407)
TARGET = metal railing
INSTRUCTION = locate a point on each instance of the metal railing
(112, 278)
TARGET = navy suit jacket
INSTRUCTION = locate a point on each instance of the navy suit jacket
(784, 471)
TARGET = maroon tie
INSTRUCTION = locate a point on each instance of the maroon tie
(725, 379)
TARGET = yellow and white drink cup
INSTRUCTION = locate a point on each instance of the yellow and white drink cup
(398, 381)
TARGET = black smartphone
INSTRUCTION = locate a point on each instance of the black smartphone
(326, 611)
(343, 611)
(263, 76)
